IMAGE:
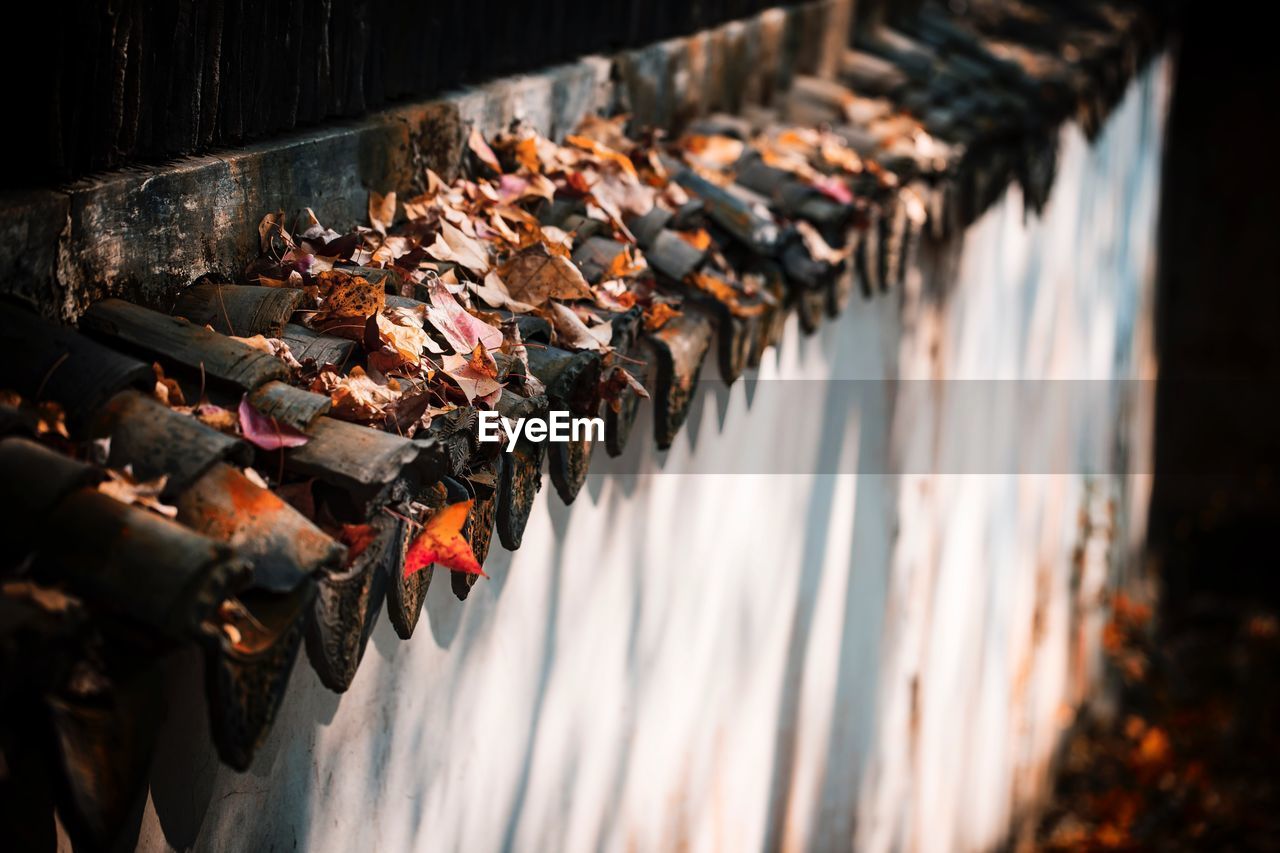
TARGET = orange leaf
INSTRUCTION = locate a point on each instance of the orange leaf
(441, 542)
(482, 363)
(604, 152)
(700, 239)
(657, 315)
(527, 154)
(356, 537)
(624, 264)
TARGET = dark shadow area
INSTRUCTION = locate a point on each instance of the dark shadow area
(1217, 316)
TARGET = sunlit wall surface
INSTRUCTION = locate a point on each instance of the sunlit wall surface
(697, 658)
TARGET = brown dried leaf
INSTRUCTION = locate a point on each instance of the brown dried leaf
(724, 293)
(357, 396)
(167, 390)
(453, 245)
(382, 211)
(123, 487)
(534, 274)
(657, 315)
(573, 333)
(494, 293)
(402, 330)
(347, 301)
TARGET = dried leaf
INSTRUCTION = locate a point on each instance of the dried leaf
(494, 293)
(657, 315)
(527, 154)
(610, 132)
(833, 188)
(604, 152)
(347, 301)
(535, 274)
(817, 246)
(480, 148)
(626, 263)
(724, 293)
(167, 390)
(459, 328)
(476, 375)
(714, 151)
(615, 295)
(453, 245)
(216, 417)
(123, 487)
(700, 239)
(401, 329)
(272, 226)
(572, 332)
(357, 537)
(382, 211)
(357, 396)
(441, 542)
(271, 346)
(265, 431)
(47, 598)
(617, 380)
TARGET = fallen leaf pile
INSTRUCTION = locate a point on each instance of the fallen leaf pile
(1187, 759)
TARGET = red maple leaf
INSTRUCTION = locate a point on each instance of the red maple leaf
(441, 542)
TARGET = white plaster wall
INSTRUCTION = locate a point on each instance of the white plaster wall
(701, 660)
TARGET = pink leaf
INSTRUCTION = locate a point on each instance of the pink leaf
(459, 328)
(833, 188)
(265, 431)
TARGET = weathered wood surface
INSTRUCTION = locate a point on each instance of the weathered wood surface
(351, 456)
(290, 405)
(283, 545)
(731, 210)
(619, 419)
(155, 440)
(519, 472)
(407, 595)
(478, 531)
(773, 323)
(572, 381)
(678, 350)
(865, 72)
(594, 255)
(103, 732)
(347, 604)
(306, 344)
(793, 198)
(244, 685)
(647, 227)
(133, 561)
(33, 479)
(673, 256)
(238, 309)
(177, 341)
(737, 326)
(44, 361)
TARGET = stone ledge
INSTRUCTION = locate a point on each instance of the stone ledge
(146, 232)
